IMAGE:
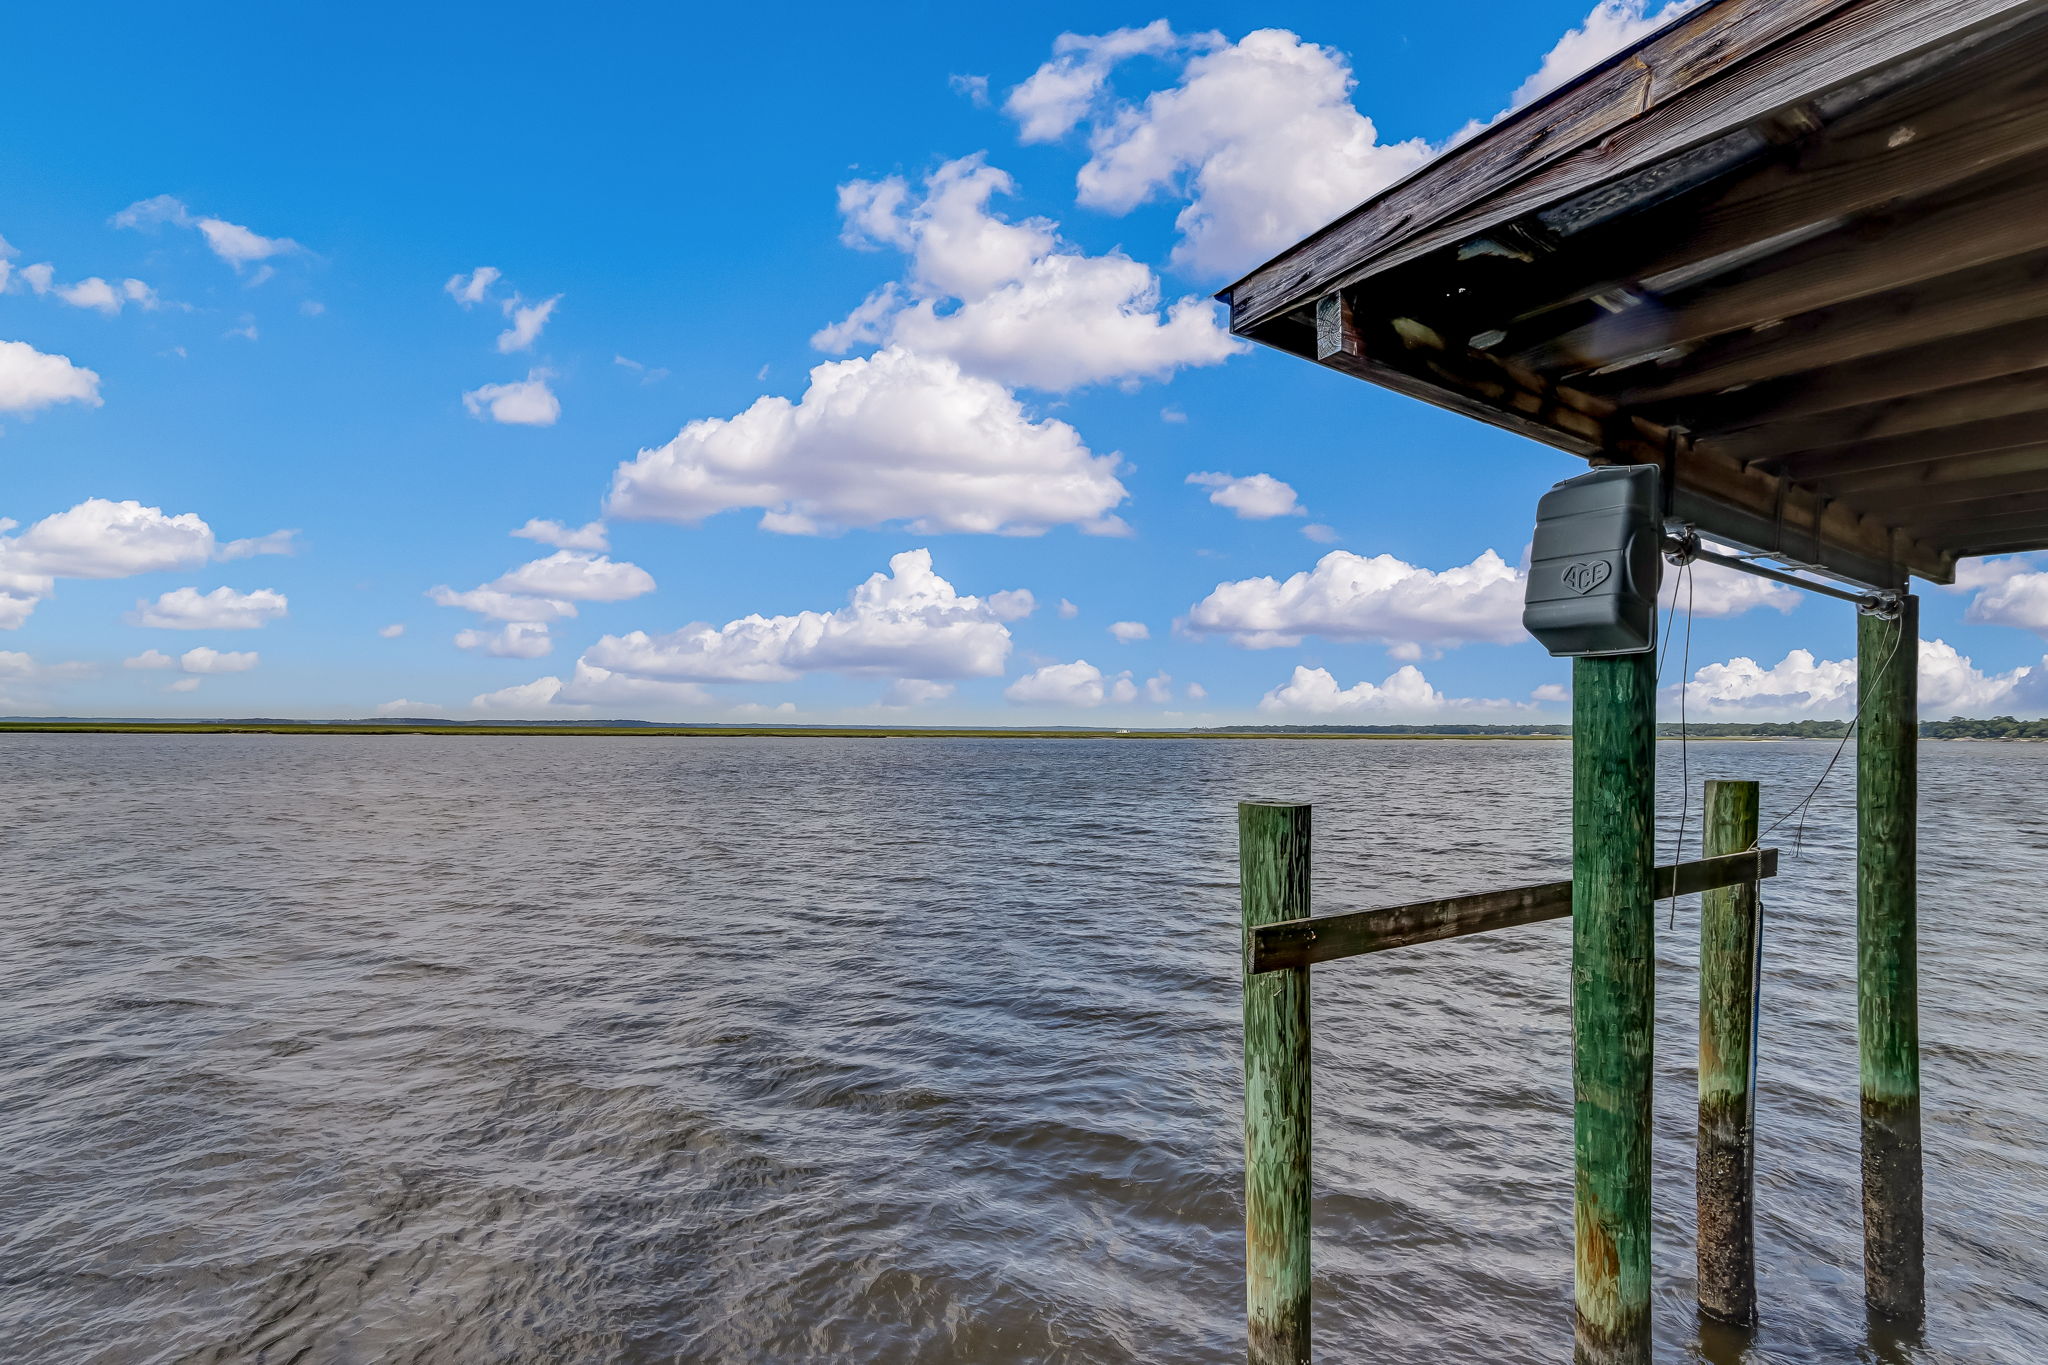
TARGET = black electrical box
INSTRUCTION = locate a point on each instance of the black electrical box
(1596, 563)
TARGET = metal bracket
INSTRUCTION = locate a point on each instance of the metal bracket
(1682, 546)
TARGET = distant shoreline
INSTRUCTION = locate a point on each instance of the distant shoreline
(691, 731)
(1666, 731)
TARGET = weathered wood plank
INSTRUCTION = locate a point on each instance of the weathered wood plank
(1716, 70)
(1328, 938)
(1935, 473)
(1970, 547)
(1924, 139)
(1893, 452)
(2002, 396)
(1999, 217)
(1962, 498)
(2019, 515)
(1994, 353)
(1937, 310)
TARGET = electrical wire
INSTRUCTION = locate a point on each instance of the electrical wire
(1855, 724)
(1684, 740)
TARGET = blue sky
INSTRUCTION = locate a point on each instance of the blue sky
(243, 298)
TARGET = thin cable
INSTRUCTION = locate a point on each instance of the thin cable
(1684, 744)
(1664, 642)
(1855, 723)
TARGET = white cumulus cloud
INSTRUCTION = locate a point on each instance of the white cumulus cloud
(1004, 300)
(31, 380)
(202, 659)
(1078, 684)
(1802, 685)
(2010, 593)
(1355, 597)
(907, 623)
(588, 686)
(275, 543)
(513, 640)
(1126, 632)
(1404, 692)
(1062, 91)
(527, 402)
(502, 606)
(233, 243)
(99, 538)
(589, 536)
(890, 437)
(1254, 497)
(221, 609)
(577, 576)
(527, 320)
(471, 289)
(1260, 137)
(1711, 590)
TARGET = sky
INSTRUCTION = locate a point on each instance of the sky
(818, 365)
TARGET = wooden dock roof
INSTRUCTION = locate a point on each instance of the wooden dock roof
(1794, 251)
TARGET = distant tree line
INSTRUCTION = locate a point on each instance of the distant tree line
(1955, 727)
(1997, 727)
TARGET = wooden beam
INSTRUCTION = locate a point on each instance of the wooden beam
(1891, 452)
(1717, 70)
(2007, 350)
(1328, 938)
(1954, 305)
(1977, 493)
(1962, 123)
(2033, 522)
(1898, 479)
(1998, 217)
(1747, 506)
(1971, 548)
(2003, 396)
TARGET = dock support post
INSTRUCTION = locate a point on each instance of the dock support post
(1887, 959)
(1273, 856)
(1613, 1003)
(1725, 1172)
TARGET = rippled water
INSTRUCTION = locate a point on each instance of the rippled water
(468, 1049)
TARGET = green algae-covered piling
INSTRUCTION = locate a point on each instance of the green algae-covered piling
(1730, 943)
(1887, 962)
(1613, 998)
(1273, 854)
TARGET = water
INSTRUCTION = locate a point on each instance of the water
(468, 1049)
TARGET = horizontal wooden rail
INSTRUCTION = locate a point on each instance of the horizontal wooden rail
(1325, 938)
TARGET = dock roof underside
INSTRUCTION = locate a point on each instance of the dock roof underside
(1795, 251)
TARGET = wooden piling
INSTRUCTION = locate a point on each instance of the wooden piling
(1887, 961)
(1613, 1000)
(1273, 857)
(1730, 946)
